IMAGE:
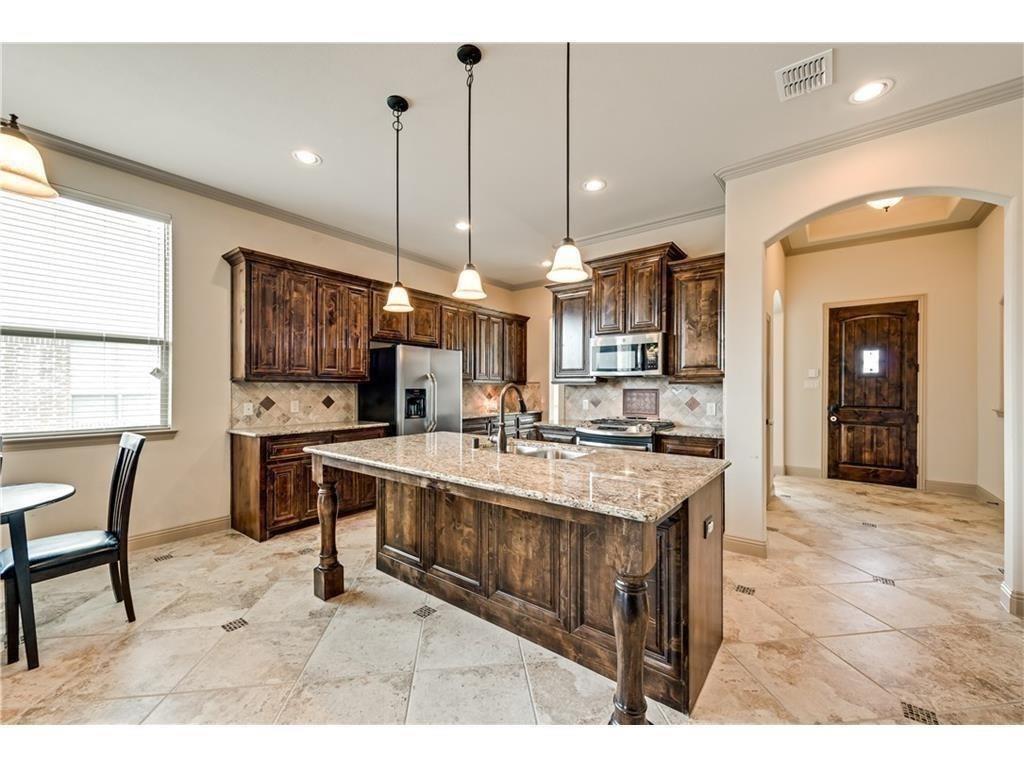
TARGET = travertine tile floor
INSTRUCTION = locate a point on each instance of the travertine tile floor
(813, 636)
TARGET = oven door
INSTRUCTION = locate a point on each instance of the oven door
(638, 355)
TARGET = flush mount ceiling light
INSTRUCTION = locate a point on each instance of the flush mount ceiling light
(567, 266)
(462, 226)
(594, 185)
(884, 203)
(469, 286)
(871, 91)
(398, 297)
(306, 157)
(21, 165)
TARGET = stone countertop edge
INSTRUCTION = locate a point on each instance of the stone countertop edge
(276, 430)
(650, 511)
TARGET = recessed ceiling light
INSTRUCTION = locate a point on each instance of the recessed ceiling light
(462, 226)
(884, 203)
(594, 185)
(306, 157)
(871, 91)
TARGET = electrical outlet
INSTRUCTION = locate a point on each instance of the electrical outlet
(295, 406)
(712, 408)
(586, 405)
(813, 373)
(810, 383)
(247, 409)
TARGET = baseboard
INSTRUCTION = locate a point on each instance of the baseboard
(778, 469)
(167, 535)
(803, 471)
(967, 490)
(743, 546)
(988, 497)
(1012, 601)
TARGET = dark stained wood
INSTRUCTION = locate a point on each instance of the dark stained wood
(343, 312)
(456, 544)
(704, 580)
(299, 324)
(697, 348)
(645, 285)
(571, 315)
(458, 327)
(451, 328)
(873, 437)
(490, 348)
(556, 434)
(610, 299)
(515, 351)
(356, 337)
(708, 447)
(266, 315)
(630, 612)
(467, 319)
(329, 574)
(519, 425)
(386, 326)
(424, 321)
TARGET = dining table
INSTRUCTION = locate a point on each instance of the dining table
(15, 502)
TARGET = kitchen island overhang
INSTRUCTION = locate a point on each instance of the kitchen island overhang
(610, 558)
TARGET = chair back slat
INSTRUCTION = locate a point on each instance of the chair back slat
(122, 484)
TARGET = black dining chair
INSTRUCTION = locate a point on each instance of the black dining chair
(66, 553)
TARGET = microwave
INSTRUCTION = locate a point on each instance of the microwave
(635, 355)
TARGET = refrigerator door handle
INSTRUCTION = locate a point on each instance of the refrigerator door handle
(431, 402)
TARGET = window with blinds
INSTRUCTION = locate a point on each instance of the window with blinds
(85, 327)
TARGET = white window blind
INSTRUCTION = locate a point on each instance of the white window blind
(85, 340)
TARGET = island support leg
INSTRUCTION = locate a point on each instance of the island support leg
(329, 575)
(630, 613)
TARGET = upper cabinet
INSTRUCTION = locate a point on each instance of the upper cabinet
(610, 299)
(629, 290)
(697, 352)
(571, 315)
(298, 322)
(645, 289)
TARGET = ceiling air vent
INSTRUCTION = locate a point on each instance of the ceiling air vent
(806, 75)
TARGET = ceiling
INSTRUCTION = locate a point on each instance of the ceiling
(861, 224)
(656, 121)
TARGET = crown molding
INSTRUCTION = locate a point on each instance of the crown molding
(118, 163)
(636, 229)
(981, 98)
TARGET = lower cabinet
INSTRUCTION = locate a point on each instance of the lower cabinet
(706, 447)
(555, 434)
(272, 488)
(518, 425)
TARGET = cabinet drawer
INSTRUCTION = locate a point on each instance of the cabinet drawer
(357, 434)
(707, 447)
(290, 447)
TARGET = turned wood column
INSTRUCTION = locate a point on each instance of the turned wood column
(635, 558)
(329, 575)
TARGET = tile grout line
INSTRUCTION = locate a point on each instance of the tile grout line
(761, 683)
(412, 677)
(529, 684)
(291, 691)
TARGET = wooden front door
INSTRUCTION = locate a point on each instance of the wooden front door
(872, 393)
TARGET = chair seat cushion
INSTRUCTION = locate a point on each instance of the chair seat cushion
(54, 551)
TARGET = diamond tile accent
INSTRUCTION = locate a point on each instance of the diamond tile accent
(234, 624)
(595, 402)
(744, 590)
(919, 714)
(161, 558)
(267, 403)
(884, 580)
(425, 611)
(328, 401)
(693, 403)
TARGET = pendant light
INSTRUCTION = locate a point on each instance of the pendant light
(567, 266)
(398, 297)
(469, 286)
(21, 165)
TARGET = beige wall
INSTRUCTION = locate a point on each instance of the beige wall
(990, 294)
(185, 479)
(943, 269)
(775, 280)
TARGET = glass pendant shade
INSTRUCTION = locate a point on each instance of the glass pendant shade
(398, 299)
(21, 165)
(469, 287)
(567, 266)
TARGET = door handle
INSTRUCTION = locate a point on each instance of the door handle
(432, 402)
(833, 413)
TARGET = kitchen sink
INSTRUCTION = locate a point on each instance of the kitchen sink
(543, 452)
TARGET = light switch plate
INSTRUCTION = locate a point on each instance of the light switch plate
(586, 405)
(813, 373)
(247, 409)
(295, 406)
(712, 409)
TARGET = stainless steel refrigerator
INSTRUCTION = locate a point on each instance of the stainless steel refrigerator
(415, 389)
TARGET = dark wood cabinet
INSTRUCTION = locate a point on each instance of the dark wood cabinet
(571, 314)
(645, 286)
(467, 319)
(457, 326)
(343, 312)
(555, 433)
(272, 488)
(264, 355)
(520, 425)
(515, 351)
(386, 326)
(705, 447)
(490, 348)
(425, 321)
(610, 299)
(697, 348)
(299, 323)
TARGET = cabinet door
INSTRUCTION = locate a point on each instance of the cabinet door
(386, 326)
(451, 328)
(355, 339)
(311, 490)
(610, 299)
(698, 327)
(572, 332)
(643, 300)
(704, 447)
(490, 348)
(467, 320)
(286, 493)
(300, 330)
(424, 322)
(330, 321)
(515, 351)
(266, 321)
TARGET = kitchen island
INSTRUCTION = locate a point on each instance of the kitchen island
(610, 558)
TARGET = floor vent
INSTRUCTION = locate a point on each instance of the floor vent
(869, 525)
(161, 558)
(804, 76)
(425, 611)
(773, 530)
(783, 495)
(744, 590)
(919, 714)
(306, 551)
(884, 580)
(231, 626)
(961, 520)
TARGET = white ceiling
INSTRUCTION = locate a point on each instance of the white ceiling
(656, 121)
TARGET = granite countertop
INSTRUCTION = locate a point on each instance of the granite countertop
(494, 413)
(684, 431)
(304, 429)
(633, 485)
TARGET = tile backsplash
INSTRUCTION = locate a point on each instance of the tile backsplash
(481, 399)
(272, 403)
(685, 404)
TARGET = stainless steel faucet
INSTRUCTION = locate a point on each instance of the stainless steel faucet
(502, 432)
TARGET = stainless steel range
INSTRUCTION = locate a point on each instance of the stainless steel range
(631, 434)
